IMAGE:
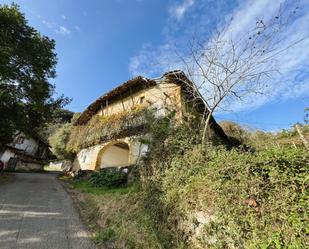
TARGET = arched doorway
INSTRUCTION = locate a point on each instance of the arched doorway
(114, 155)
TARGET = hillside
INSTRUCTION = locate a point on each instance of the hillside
(186, 195)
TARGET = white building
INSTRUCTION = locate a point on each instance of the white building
(25, 153)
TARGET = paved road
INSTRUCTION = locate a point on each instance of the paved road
(36, 212)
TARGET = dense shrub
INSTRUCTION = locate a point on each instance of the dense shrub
(246, 199)
(258, 200)
(236, 133)
(83, 175)
(108, 178)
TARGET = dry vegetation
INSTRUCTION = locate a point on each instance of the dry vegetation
(259, 139)
(103, 128)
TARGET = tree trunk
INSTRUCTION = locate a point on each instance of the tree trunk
(204, 138)
(301, 135)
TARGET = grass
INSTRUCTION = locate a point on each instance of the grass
(115, 216)
(88, 188)
(105, 235)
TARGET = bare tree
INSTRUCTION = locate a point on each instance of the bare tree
(228, 68)
(301, 135)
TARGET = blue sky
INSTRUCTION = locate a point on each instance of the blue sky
(102, 43)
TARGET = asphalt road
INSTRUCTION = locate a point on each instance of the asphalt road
(36, 212)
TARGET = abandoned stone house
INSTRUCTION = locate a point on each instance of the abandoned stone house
(25, 153)
(104, 149)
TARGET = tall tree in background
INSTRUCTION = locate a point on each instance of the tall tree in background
(27, 62)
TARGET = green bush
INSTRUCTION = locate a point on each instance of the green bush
(257, 199)
(108, 178)
(250, 199)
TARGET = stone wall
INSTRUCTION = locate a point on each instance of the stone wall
(27, 166)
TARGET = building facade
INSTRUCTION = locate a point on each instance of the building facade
(98, 148)
(25, 153)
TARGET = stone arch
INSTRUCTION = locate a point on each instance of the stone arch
(114, 154)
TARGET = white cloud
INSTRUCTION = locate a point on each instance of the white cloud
(63, 31)
(58, 29)
(77, 28)
(245, 16)
(49, 25)
(178, 11)
(293, 80)
(153, 61)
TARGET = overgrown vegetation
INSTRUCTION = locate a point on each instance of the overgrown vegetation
(103, 128)
(116, 216)
(66, 138)
(108, 178)
(59, 135)
(190, 195)
(212, 197)
(260, 139)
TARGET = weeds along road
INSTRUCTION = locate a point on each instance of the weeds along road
(36, 212)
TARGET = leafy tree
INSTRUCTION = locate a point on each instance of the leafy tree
(62, 116)
(27, 62)
(59, 137)
(58, 141)
(59, 118)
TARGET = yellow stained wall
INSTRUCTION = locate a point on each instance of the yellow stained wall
(90, 158)
(114, 156)
(159, 96)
